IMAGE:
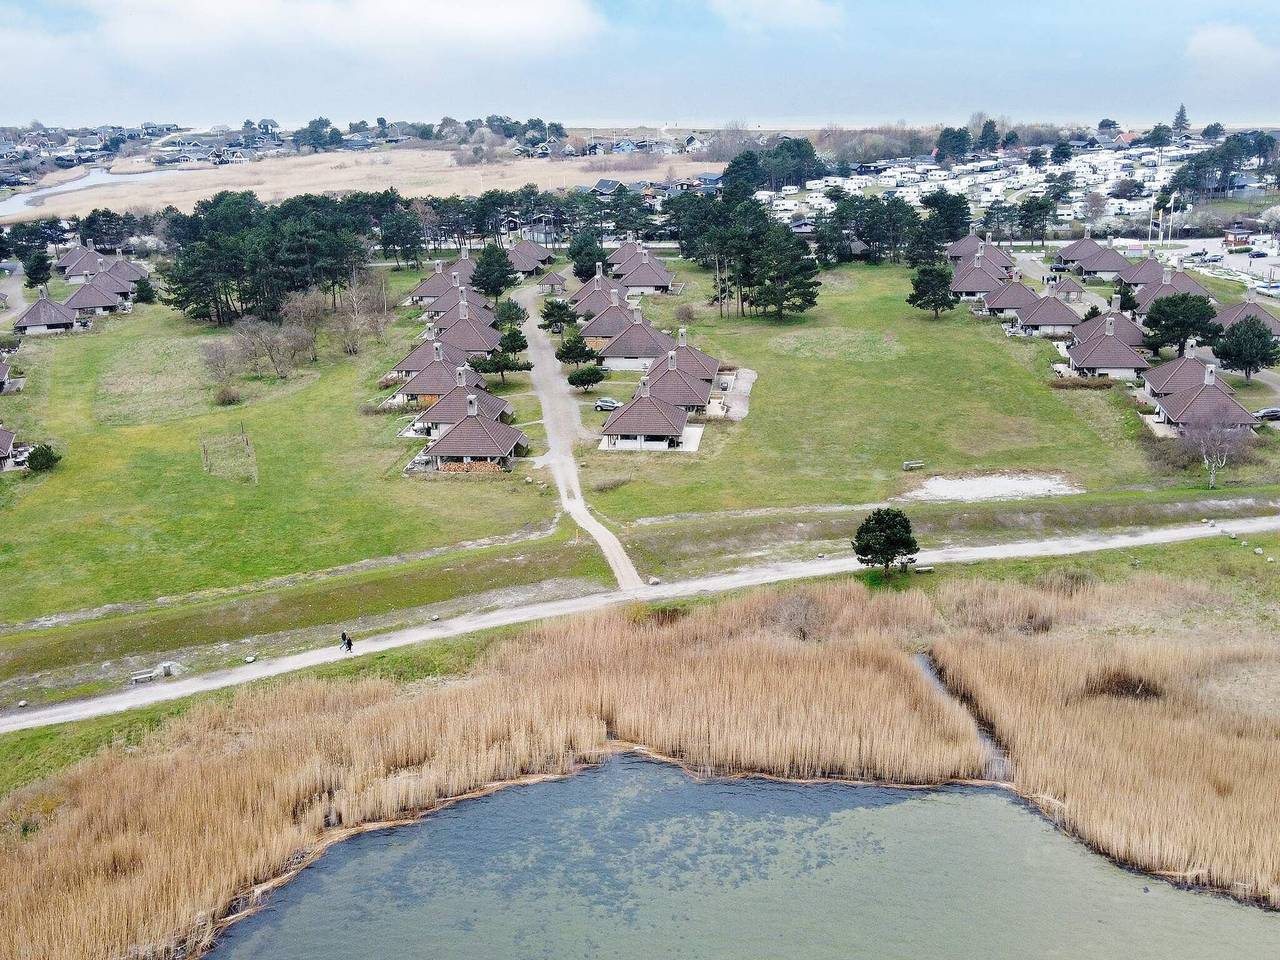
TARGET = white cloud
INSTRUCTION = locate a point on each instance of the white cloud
(1231, 50)
(198, 60)
(775, 14)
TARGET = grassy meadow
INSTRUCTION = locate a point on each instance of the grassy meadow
(163, 492)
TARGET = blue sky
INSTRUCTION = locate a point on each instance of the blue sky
(678, 62)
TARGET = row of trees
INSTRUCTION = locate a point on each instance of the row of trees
(1213, 171)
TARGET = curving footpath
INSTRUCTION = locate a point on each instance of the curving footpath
(718, 583)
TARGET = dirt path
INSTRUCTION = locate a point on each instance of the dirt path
(562, 418)
(11, 285)
(718, 583)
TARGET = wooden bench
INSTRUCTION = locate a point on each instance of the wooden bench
(912, 464)
(143, 676)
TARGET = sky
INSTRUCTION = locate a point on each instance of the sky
(678, 63)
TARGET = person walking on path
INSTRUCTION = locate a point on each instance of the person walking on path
(346, 642)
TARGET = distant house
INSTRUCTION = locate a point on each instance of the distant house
(524, 264)
(1073, 253)
(1106, 264)
(436, 285)
(1006, 301)
(594, 291)
(47, 316)
(1106, 355)
(534, 251)
(268, 128)
(7, 438)
(1047, 317)
(1205, 404)
(620, 256)
(551, 283)
(977, 280)
(1237, 235)
(1122, 327)
(432, 382)
(1066, 289)
(647, 276)
(645, 423)
(94, 299)
(467, 334)
(636, 347)
(1229, 316)
(476, 443)
(433, 351)
(693, 144)
(606, 188)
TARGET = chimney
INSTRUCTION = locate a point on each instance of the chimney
(613, 296)
(1088, 233)
(462, 294)
(437, 349)
(644, 256)
(1111, 326)
(473, 408)
(439, 266)
(681, 336)
(462, 376)
(464, 312)
(637, 315)
(644, 386)
(671, 359)
(454, 275)
(90, 243)
(1115, 303)
(466, 254)
(988, 239)
(1168, 276)
(44, 292)
(1208, 375)
(599, 269)
(973, 229)
(1251, 295)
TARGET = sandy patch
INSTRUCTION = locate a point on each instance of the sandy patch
(992, 486)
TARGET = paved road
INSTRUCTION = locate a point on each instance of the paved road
(719, 583)
(562, 418)
(1033, 266)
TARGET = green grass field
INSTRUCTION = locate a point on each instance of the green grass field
(853, 388)
(155, 496)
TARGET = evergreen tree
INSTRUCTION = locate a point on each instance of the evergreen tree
(1128, 298)
(42, 458)
(144, 291)
(510, 315)
(949, 213)
(1179, 317)
(885, 538)
(1248, 346)
(557, 315)
(924, 246)
(585, 251)
(1061, 153)
(574, 350)
(1036, 159)
(1214, 131)
(1180, 122)
(37, 267)
(788, 277)
(830, 245)
(402, 236)
(493, 273)
(584, 378)
(1010, 139)
(931, 289)
(989, 138)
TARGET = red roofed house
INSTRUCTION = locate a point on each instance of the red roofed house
(647, 276)
(1174, 376)
(453, 407)
(1106, 355)
(49, 316)
(1173, 281)
(1010, 298)
(475, 443)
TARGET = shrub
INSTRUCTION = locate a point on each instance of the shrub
(43, 457)
(227, 396)
(144, 291)
(1082, 383)
(684, 314)
(9, 341)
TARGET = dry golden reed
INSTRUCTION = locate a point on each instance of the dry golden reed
(136, 854)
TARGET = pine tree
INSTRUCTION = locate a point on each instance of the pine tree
(1180, 122)
(885, 538)
(1248, 346)
(493, 273)
(787, 277)
(931, 289)
(1179, 317)
(574, 350)
(924, 246)
(37, 267)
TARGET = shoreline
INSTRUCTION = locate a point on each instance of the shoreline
(257, 896)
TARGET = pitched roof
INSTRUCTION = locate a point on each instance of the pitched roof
(639, 340)
(1047, 312)
(436, 379)
(646, 415)
(976, 278)
(452, 406)
(1177, 375)
(74, 253)
(648, 274)
(1230, 316)
(1125, 329)
(478, 437)
(1106, 352)
(534, 250)
(1106, 260)
(551, 280)
(1011, 296)
(641, 256)
(1066, 285)
(522, 262)
(677, 386)
(127, 270)
(624, 253)
(90, 296)
(6, 441)
(471, 336)
(436, 285)
(4, 370)
(1144, 271)
(694, 361)
(44, 313)
(1080, 250)
(609, 322)
(109, 282)
(596, 302)
(478, 313)
(1206, 403)
(964, 248)
(992, 256)
(1179, 282)
(425, 353)
(595, 284)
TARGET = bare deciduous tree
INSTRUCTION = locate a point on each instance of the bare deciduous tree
(427, 218)
(308, 309)
(220, 359)
(1215, 445)
(261, 341)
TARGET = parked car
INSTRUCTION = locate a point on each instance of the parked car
(1213, 258)
(608, 403)
(1257, 254)
(1268, 413)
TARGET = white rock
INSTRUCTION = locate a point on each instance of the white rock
(21, 704)
(435, 617)
(1258, 551)
(250, 659)
(654, 581)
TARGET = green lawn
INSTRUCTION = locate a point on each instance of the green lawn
(855, 387)
(156, 494)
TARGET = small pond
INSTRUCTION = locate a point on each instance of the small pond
(633, 859)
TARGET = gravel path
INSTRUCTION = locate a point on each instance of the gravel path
(718, 583)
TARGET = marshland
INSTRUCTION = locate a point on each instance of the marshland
(1120, 705)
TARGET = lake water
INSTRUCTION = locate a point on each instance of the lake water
(635, 860)
(97, 177)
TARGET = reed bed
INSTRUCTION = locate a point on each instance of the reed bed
(1110, 734)
(141, 853)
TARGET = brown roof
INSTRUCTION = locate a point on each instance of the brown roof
(648, 416)
(992, 256)
(124, 269)
(6, 441)
(74, 253)
(694, 361)
(478, 437)
(1066, 285)
(977, 278)
(471, 336)
(1080, 250)
(594, 284)
(1047, 312)
(552, 280)
(676, 386)
(964, 248)
(4, 370)
(44, 313)
(635, 260)
(1144, 271)
(85, 261)
(425, 353)
(1011, 296)
(623, 253)
(452, 406)
(436, 379)
(90, 296)
(535, 251)
(648, 274)
(1106, 352)
(1106, 260)
(597, 301)
(1177, 375)
(1207, 403)
(1125, 329)
(449, 299)
(638, 341)
(476, 313)
(522, 262)
(609, 322)
(1230, 316)
(1179, 282)
(436, 285)
(108, 281)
